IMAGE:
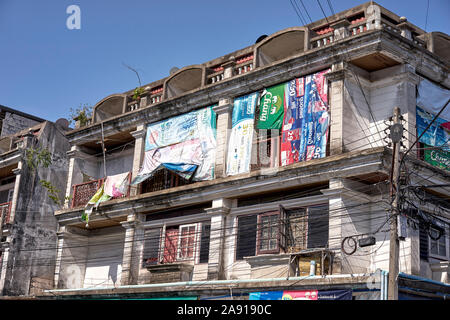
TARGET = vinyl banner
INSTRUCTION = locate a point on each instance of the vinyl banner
(268, 295)
(184, 144)
(335, 295)
(241, 136)
(439, 132)
(196, 124)
(432, 98)
(305, 125)
(271, 107)
(300, 295)
(437, 157)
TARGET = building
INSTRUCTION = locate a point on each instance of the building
(235, 192)
(27, 223)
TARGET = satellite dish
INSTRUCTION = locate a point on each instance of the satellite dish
(261, 38)
(63, 123)
(173, 70)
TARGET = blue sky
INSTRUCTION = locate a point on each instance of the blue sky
(46, 69)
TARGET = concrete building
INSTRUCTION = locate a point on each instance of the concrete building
(27, 223)
(257, 227)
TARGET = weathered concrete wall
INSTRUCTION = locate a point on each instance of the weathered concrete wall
(33, 232)
(14, 123)
(104, 257)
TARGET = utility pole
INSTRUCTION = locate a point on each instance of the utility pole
(396, 134)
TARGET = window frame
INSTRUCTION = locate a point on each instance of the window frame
(259, 231)
(189, 235)
(446, 243)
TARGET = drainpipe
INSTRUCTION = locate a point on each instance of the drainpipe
(382, 285)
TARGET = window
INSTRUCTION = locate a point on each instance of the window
(188, 242)
(282, 231)
(438, 246)
(268, 233)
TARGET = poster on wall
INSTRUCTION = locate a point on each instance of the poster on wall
(271, 107)
(438, 134)
(241, 136)
(184, 144)
(437, 157)
(345, 294)
(304, 132)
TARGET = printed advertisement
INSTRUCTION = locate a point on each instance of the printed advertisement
(241, 137)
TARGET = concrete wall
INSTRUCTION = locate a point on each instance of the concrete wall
(14, 123)
(104, 257)
(32, 240)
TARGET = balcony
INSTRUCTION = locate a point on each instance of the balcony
(83, 192)
(161, 180)
(5, 212)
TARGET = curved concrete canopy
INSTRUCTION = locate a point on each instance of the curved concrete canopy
(108, 107)
(184, 80)
(281, 45)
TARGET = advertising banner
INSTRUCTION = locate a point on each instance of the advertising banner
(241, 136)
(268, 295)
(437, 157)
(335, 295)
(185, 144)
(300, 295)
(271, 107)
(432, 98)
(439, 132)
(192, 125)
(305, 125)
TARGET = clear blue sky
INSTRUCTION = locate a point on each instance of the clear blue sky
(46, 69)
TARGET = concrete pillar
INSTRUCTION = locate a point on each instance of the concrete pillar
(4, 263)
(18, 173)
(139, 152)
(373, 16)
(336, 100)
(228, 68)
(335, 224)
(405, 29)
(340, 29)
(131, 250)
(224, 113)
(59, 251)
(73, 154)
(219, 211)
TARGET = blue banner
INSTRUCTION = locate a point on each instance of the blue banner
(335, 295)
(439, 132)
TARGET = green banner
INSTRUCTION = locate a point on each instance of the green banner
(438, 158)
(271, 108)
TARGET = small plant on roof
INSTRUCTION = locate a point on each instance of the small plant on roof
(82, 114)
(138, 92)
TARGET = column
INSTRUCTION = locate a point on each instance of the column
(131, 250)
(228, 68)
(219, 211)
(224, 113)
(340, 29)
(73, 154)
(336, 79)
(59, 254)
(18, 173)
(4, 265)
(139, 152)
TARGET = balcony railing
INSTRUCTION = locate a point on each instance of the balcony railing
(5, 211)
(83, 192)
(161, 180)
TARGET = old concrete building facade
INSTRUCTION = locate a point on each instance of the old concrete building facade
(258, 230)
(27, 223)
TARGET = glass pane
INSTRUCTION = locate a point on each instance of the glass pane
(264, 244)
(433, 247)
(273, 244)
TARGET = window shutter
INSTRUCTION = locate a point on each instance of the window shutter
(318, 225)
(423, 240)
(204, 243)
(246, 237)
(152, 242)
